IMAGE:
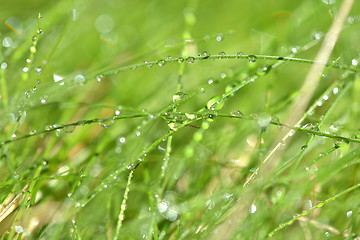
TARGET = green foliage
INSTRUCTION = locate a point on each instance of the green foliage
(156, 120)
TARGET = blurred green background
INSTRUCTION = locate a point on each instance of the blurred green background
(75, 41)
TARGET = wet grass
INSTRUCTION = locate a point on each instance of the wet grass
(157, 120)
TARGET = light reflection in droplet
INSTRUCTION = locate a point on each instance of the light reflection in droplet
(171, 215)
(162, 207)
(7, 42)
(253, 208)
(3, 65)
(57, 77)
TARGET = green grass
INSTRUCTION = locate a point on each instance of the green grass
(166, 120)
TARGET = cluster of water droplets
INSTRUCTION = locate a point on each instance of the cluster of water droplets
(120, 141)
(166, 206)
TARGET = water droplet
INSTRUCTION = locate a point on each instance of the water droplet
(282, 145)
(48, 127)
(64, 170)
(122, 140)
(204, 54)
(238, 54)
(12, 117)
(27, 94)
(18, 229)
(210, 117)
(7, 42)
(69, 128)
(349, 213)
(162, 207)
(25, 69)
(304, 147)
(138, 133)
(181, 60)
(325, 97)
(294, 49)
(40, 31)
(357, 135)
(310, 126)
(106, 123)
(230, 88)
(79, 79)
(223, 75)
(57, 78)
(236, 113)
(58, 131)
(75, 14)
(161, 63)
(173, 125)
(351, 19)
(215, 103)
(253, 116)
(336, 90)
(329, 2)
(178, 96)
(190, 116)
(38, 70)
(253, 208)
(3, 65)
(264, 120)
(32, 132)
(222, 54)
(340, 143)
(43, 100)
(334, 128)
(99, 78)
(190, 59)
(171, 215)
(317, 35)
(149, 65)
(117, 112)
(210, 204)
(219, 37)
(252, 58)
(210, 81)
(354, 62)
(277, 193)
(263, 70)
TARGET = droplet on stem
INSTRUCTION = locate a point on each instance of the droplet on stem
(215, 103)
(252, 58)
(204, 54)
(263, 70)
(106, 123)
(190, 60)
(161, 63)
